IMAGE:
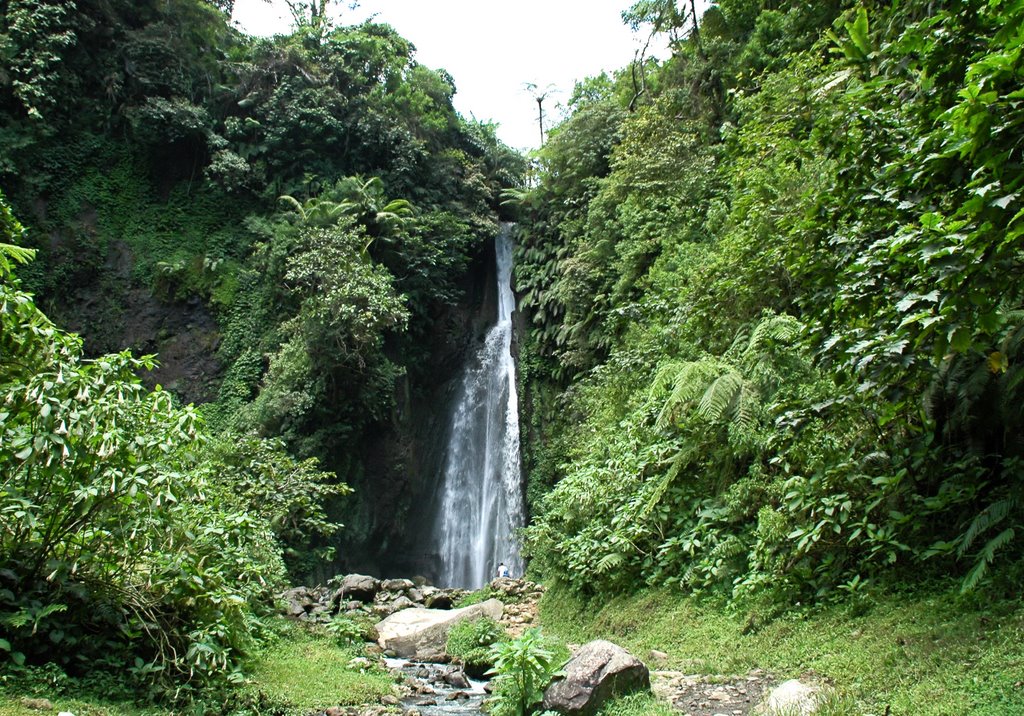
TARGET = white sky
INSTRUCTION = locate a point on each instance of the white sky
(492, 49)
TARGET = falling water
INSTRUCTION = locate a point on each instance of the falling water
(481, 494)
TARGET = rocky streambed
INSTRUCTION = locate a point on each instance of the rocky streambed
(411, 634)
(437, 689)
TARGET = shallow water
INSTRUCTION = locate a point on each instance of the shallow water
(429, 676)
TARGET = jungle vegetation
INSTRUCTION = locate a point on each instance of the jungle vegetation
(773, 286)
(315, 201)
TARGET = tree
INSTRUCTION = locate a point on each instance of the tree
(107, 528)
(314, 16)
(34, 40)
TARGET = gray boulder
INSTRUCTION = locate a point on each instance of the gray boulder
(297, 602)
(456, 677)
(384, 609)
(439, 600)
(598, 671)
(420, 634)
(357, 586)
(396, 585)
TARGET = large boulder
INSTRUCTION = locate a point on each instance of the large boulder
(357, 586)
(420, 634)
(598, 671)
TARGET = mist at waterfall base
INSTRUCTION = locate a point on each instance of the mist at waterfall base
(479, 501)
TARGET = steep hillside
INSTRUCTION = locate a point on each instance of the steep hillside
(776, 332)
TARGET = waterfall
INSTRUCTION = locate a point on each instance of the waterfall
(481, 493)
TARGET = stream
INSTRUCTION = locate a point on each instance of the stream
(432, 695)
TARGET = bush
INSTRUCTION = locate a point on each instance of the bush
(469, 643)
(351, 629)
(109, 526)
(523, 668)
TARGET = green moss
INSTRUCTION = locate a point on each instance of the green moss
(477, 597)
(922, 653)
(310, 672)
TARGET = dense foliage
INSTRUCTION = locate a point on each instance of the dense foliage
(129, 539)
(287, 221)
(773, 286)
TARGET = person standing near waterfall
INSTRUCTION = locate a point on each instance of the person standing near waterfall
(502, 571)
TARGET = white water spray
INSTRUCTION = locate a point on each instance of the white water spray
(481, 491)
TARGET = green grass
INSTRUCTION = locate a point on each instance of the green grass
(310, 672)
(11, 705)
(637, 705)
(926, 654)
(295, 673)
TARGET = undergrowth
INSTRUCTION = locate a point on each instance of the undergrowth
(925, 652)
(296, 672)
(309, 672)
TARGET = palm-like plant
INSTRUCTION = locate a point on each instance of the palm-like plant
(366, 200)
(355, 199)
(729, 388)
(524, 667)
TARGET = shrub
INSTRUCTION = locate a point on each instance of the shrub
(523, 668)
(351, 629)
(470, 642)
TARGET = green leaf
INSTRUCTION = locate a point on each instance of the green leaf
(858, 30)
(960, 339)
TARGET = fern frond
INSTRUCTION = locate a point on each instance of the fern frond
(748, 405)
(776, 329)
(664, 378)
(740, 342)
(719, 400)
(986, 519)
(293, 203)
(681, 458)
(985, 558)
(609, 562)
(689, 382)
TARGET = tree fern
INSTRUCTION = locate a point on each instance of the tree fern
(985, 558)
(996, 513)
(726, 388)
(688, 381)
(772, 329)
(722, 398)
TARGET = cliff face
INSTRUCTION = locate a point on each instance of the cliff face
(403, 462)
(112, 312)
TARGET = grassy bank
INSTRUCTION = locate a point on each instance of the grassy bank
(295, 673)
(924, 654)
